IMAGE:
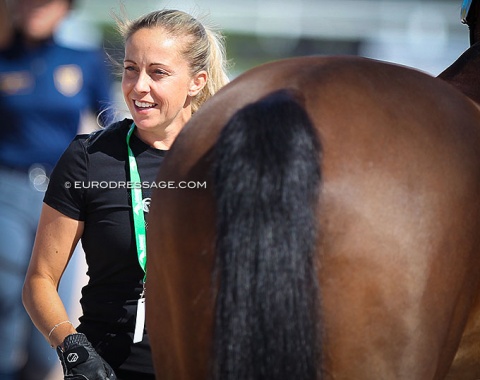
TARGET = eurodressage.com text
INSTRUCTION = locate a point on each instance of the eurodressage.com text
(136, 185)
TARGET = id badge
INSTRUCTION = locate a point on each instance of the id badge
(140, 321)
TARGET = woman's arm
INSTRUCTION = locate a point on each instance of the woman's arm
(57, 236)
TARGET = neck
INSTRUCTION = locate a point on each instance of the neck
(163, 135)
(159, 139)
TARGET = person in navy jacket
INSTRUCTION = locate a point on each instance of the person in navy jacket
(45, 90)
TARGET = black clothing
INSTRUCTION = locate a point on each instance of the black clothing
(90, 183)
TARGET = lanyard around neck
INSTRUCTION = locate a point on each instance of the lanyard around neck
(137, 206)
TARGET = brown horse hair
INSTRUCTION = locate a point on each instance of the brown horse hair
(267, 179)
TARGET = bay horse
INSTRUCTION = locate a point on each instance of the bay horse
(336, 235)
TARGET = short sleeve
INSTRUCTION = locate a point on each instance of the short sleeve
(65, 192)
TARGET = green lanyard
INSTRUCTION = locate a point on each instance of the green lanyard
(137, 207)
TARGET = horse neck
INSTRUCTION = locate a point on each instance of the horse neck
(464, 73)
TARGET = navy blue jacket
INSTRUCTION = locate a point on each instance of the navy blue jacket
(43, 92)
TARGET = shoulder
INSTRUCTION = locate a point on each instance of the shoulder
(110, 136)
(94, 148)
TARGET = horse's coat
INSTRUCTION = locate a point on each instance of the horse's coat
(398, 215)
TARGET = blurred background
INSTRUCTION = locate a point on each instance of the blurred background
(424, 34)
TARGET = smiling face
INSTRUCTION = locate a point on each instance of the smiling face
(157, 84)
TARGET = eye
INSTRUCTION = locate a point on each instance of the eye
(129, 68)
(160, 72)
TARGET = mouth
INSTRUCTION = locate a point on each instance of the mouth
(144, 105)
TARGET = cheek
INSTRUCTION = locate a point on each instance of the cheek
(126, 88)
(161, 93)
(176, 93)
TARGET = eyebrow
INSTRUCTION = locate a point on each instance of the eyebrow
(151, 64)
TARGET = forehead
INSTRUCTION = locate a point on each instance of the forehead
(153, 42)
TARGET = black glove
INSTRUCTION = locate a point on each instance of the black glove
(80, 361)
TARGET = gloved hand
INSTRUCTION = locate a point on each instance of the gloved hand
(80, 361)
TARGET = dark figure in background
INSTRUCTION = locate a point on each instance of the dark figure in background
(45, 89)
(463, 73)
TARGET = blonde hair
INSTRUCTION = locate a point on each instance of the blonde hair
(204, 50)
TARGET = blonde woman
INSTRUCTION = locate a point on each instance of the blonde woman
(100, 191)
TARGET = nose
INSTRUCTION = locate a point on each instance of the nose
(142, 85)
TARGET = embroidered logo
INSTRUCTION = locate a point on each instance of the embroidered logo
(72, 357)
(17, 82)
(146, 204)
(68, 79)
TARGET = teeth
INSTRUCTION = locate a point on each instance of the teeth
(144, 104)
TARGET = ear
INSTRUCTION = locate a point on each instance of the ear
(197, 83)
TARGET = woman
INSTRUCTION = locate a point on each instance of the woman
(100, 189)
